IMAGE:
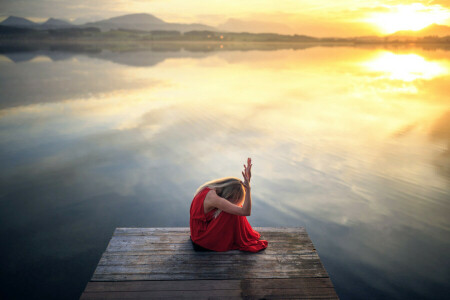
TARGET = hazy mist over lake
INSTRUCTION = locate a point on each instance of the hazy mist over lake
(351, 143)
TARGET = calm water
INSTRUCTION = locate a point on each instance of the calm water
(352, 143)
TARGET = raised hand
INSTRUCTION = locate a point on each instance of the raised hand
(247, 173)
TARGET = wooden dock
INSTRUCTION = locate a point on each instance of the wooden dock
(148, 263)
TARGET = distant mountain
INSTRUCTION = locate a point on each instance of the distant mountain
(51, 23)
(132, 19)
(145, 22)
(56, 22)
(87, 19)
(17, 22)
(432, 30)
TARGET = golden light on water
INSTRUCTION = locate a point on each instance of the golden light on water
(409, 17)
(335, 109)
(405, 67)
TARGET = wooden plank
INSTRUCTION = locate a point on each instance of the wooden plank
(178, 248)
(215, 276)
(199, 285)
(261, 294)
(200, 259)
(161, 285)
(213, 288)
(163, 294)
(143, 246)
(268, 251)
(102, 273)
(121, 246)
(181, 238)
(146, 261)
(165, 230)
(189, 253)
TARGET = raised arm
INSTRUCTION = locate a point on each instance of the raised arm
(247, 173)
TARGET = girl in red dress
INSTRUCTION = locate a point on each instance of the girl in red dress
(218, 215)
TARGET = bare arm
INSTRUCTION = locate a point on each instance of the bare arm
(223, 204)
(247, 173)
(248, 201)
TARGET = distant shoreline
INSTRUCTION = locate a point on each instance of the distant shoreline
(96, 36)
(92, 42)
(89, 46)
(351, 41)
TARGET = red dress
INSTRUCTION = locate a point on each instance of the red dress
(226, 232)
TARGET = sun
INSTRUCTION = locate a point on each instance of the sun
(409, 17)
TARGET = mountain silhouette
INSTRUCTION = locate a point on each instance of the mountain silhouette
(142, 18)
(56, 22)
(51, 23)
(14, 21)
(146, 22)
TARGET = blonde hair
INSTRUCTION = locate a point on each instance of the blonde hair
(229, 188)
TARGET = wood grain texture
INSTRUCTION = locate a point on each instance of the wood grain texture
(149, 263)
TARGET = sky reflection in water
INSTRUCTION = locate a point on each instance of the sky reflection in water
(351, 143)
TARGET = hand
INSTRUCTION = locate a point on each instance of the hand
(247, 173)
(246, 185)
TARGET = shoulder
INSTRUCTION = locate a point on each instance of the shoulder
(211, 193)
(212, 198)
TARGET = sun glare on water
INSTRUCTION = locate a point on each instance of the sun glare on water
(405, 67)
(409, 17)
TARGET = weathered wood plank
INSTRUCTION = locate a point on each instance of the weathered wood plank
(162, 294)
(215, 276)
(216, 255)
(191, 252)
(186, 229)
(135, 242)
(209, 273)
(188, 248)
(206, 285)
(260, 293)
(197, 259)
(142, 246)
(180, 238)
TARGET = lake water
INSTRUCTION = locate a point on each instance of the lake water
(350, 142)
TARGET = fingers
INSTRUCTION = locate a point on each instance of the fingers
(247, 169)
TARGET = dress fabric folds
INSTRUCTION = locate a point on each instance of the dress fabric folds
(223, 233)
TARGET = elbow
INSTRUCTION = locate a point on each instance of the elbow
(246, 214)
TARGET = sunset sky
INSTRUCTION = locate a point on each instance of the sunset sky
(311, 17)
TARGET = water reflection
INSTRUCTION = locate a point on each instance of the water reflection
(357, 155)
(406, 67)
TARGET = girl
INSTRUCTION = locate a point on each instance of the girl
(218, 215)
